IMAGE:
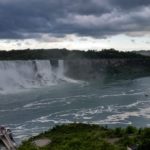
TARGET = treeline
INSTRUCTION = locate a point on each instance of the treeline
(66, 54)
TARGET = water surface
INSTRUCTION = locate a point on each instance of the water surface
(117, 103)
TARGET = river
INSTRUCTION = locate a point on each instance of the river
(112, 103)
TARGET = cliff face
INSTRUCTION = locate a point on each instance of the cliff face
(100, 68)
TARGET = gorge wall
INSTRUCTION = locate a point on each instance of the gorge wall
(98, 68)
(23, 74)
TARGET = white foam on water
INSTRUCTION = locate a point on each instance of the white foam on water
(34, 104)
(123, 116)
(115, 113)
(46, 119)
(120, 117)
(122, 94)
(49, 101)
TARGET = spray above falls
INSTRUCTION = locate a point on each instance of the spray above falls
(16, 75)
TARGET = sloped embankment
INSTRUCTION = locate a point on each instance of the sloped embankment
(91, 137)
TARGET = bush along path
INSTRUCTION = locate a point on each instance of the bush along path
(89, 137)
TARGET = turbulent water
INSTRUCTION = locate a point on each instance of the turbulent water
(20, 75)
(29, 112)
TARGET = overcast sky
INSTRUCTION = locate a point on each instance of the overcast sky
(75, 24)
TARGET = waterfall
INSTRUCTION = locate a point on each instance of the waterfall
(29, 74)
(60, 69)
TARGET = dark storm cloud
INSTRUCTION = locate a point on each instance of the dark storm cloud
(129, 4)
(21, 19)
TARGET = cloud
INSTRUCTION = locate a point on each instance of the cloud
(129, 4)
(133, 41)
(21, 19)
